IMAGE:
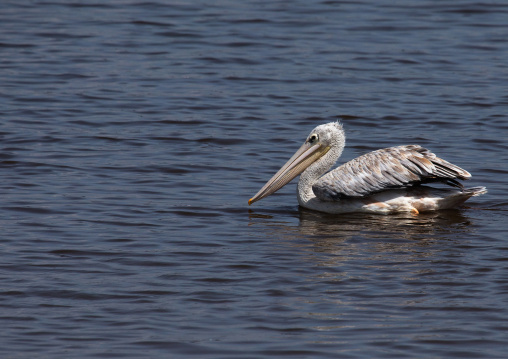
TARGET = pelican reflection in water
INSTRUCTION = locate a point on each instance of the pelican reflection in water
(383, 181)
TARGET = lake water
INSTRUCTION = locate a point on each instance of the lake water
(133, 133)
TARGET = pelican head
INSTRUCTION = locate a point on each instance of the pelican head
(322, 140)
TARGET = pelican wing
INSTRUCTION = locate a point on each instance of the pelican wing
(389, 168)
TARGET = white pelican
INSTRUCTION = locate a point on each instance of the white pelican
(383, 181)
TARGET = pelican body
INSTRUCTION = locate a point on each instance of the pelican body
(384, 181)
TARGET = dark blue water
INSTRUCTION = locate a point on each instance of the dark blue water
(133, 133)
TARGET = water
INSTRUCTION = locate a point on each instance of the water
(133, 134)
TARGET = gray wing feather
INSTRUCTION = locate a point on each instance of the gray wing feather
(393, 167)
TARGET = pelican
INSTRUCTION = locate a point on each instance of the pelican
(384, 181)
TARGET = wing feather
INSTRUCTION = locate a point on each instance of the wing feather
(393, 167)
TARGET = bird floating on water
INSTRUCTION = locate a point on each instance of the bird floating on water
(384, 181)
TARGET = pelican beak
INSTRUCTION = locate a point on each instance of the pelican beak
(303, 158)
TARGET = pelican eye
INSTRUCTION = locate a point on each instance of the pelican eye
(313, 138)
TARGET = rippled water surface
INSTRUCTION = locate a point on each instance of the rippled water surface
(133, 133)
